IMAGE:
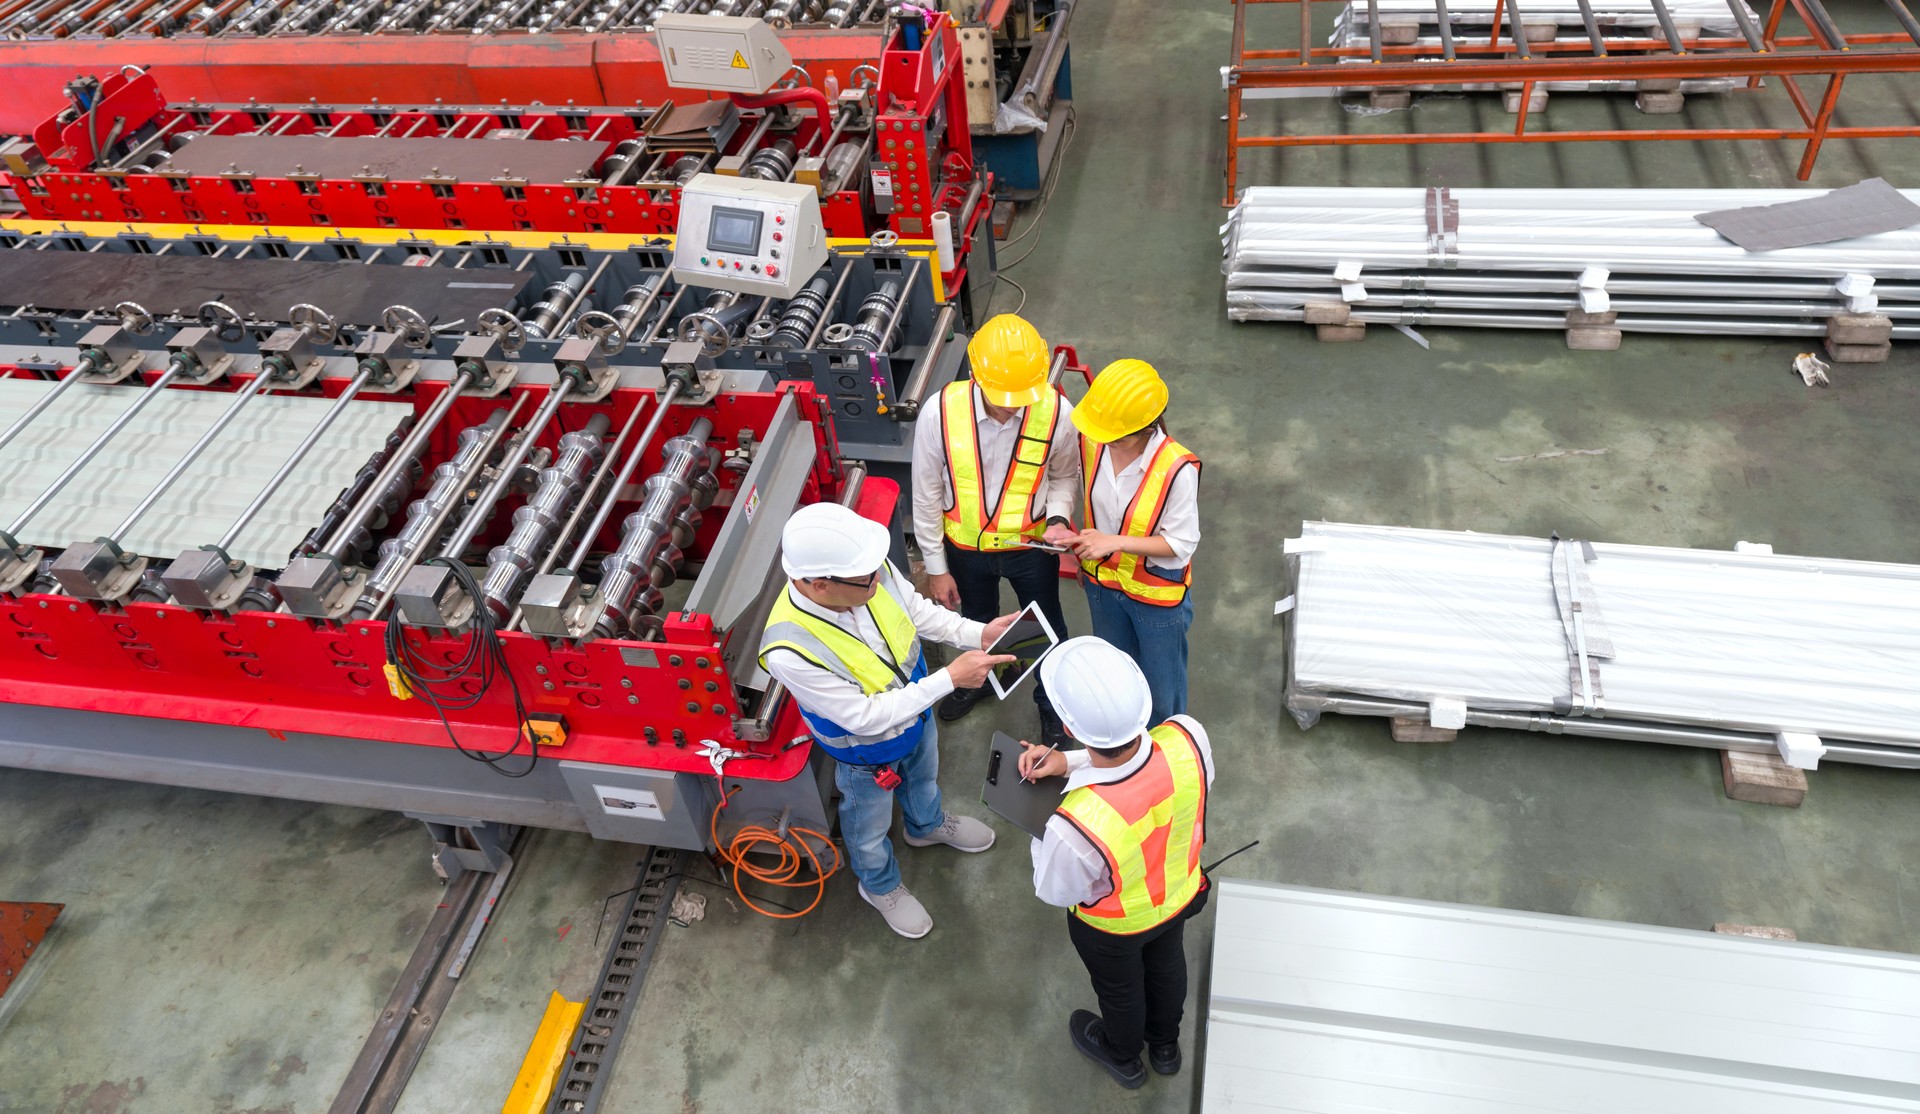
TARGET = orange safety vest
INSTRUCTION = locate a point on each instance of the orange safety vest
(1128, 572)
(1149, 826)
(1017, 513)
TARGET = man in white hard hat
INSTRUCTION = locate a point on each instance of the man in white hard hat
(1122, 853)
(844, 638)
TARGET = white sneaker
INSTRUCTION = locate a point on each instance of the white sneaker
(903, 911)
(962, 833)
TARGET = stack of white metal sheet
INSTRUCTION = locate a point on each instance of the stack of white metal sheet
(209, 497)
(1523, 258)
(1417, 22)
(1324, 1002)
(1744, 650)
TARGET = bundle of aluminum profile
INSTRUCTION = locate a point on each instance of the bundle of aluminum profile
(1417, 23)
(1743, 650)
(1525, 258)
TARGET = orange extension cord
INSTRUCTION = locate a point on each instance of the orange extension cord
(793, 855)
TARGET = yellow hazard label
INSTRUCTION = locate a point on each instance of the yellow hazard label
(739, 60)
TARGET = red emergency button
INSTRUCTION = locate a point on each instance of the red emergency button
(736, 264)
(778, 219)
(772, 270)
(776, 237)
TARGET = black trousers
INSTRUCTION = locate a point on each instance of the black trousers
(1141, 980)
(1034, 574)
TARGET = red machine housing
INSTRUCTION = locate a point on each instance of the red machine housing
(638, 704)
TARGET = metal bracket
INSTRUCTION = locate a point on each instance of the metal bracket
(391, 352)
(206, 579)
(430, 596)
(556, 605)
(582, 358)
(210, 359)
(492, 375)
(319, 588)
(98, 570)
(17, 563)
(116, 356)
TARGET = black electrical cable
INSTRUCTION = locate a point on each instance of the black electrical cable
(445, 686)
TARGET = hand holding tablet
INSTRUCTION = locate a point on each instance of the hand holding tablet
(1029, 629)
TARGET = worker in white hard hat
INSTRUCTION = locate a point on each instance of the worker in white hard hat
(1122, 853)
(844, 638)
(996, 467)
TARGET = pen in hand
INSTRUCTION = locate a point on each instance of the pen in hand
(1036, 764)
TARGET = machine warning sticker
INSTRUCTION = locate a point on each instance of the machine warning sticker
(621, 801)
(739, 60)
(752, 504)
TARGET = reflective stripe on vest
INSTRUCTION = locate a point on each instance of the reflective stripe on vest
(1128, 572)
(1017, 512)
(1149, 826)
(838, 651)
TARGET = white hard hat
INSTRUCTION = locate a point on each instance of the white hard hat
(827, 539)
(1098, 691)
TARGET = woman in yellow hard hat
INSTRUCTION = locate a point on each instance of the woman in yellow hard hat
(994, 475)
(1143, 523)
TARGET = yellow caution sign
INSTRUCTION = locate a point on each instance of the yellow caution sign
(739, 60)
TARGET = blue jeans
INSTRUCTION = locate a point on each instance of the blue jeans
(866, 810)
(1155, 637)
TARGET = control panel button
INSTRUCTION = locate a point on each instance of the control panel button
(755, 268)
(775, 252)
(773, 271)
(776, 237)
(736, 264)
(779, 219)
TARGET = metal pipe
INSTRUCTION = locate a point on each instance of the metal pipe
(247, 394)
(305, 446)
(176, 367)
(833, 302)
(536, 522)
(566, 315)
(483, 507)
(653, 334)
(428, 516)
(913, 393)
(408, 449)
(89, 363)
(906, 291)
(620, 481)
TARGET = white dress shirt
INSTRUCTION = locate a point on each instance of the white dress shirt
(1179, 519)
(933, 486)
(1068, 870)
(883, 715)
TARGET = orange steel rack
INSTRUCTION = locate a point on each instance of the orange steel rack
(1510, 61)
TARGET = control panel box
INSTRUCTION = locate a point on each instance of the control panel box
(748, 236)
(732, 54)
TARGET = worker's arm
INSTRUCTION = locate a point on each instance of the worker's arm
(1062, 482)
(931, 493)
(934, 622)
(1200, 740)
(830, 696)
(1178, 536)
(1067, 871)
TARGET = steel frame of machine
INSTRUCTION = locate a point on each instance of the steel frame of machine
(635, 723)
(1506, 58)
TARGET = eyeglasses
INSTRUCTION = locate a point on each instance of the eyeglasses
(861, 584)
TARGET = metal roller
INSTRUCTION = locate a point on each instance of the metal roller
(772, 163)
(652, 538)
(553, 303)
(874, 326)
(427, 513)
(803, 312)
(384, 503)
(626, 155)
(535, 523)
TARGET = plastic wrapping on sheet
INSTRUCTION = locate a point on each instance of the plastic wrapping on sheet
(1755, 642)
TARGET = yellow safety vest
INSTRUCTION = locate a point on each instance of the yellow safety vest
(1017, 513)
(1128, 572)
(1150, 826)
(842, 653)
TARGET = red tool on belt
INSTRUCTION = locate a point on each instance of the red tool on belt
(886, 778)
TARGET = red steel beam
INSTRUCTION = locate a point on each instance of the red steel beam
(1582, 68)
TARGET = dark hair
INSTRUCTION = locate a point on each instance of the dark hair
(1159, 423)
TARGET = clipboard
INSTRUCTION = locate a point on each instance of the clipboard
(1026, 804)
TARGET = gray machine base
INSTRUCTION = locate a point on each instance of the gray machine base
(462, 801)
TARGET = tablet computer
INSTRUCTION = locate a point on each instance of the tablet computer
(1030, 634)
(1027, 804)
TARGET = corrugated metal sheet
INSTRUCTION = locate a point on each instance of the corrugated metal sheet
(1337, 1003)
(1744, 641)
(205, 501)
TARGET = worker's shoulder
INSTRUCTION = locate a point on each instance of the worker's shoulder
(1190, 725)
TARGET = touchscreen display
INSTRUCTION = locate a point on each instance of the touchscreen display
(735, 230)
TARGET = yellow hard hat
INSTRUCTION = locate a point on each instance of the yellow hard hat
(1010, 361)
(1125, 398)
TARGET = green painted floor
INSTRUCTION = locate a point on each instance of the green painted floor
(226, 955)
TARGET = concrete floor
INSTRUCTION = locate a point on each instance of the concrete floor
(226, 954)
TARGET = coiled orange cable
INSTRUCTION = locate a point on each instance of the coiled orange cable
(792, 854)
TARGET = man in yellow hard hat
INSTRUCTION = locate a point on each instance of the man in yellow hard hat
(995, 472)
(1143, 523)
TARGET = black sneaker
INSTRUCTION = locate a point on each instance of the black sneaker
(959, 702)
(1165, 1058)
(1053, 733)
(1086, 1029)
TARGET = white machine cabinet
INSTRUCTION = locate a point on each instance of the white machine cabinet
(731, 54)
(748, 236)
